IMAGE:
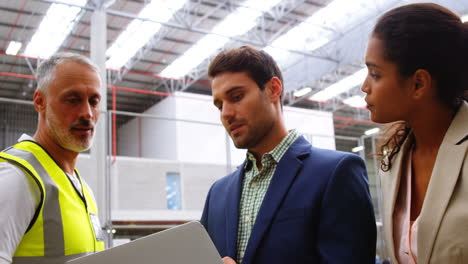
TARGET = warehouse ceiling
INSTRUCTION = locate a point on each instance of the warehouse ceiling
(155, 48)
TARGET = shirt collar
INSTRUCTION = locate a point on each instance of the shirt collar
(25, 137)
(275, 154)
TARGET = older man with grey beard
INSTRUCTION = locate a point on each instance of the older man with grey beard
(49, 214)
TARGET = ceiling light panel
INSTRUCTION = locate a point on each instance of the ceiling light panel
(239, 22)
(13, 48)
(320, 28)
(139, 31)
(58, 22)
(302, 92)
(357, 149)
(464, 18)
(355, 101)
(341, 86)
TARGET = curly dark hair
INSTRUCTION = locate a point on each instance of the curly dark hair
(399, 131)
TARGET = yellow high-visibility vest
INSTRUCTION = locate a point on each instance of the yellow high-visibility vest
(65, 224)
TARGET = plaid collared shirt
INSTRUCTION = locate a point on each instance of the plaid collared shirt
(254, 186)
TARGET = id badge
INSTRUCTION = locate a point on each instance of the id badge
(98, 232)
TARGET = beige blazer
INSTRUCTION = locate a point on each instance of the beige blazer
(443, 223)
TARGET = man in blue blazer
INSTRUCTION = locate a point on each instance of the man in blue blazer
(288, 202)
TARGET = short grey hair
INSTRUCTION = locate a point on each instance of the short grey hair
(46, 71)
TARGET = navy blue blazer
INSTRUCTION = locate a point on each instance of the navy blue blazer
(317, 209)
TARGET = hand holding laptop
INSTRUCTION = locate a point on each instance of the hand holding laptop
(228, 260)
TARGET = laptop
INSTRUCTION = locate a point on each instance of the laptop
(187, 243)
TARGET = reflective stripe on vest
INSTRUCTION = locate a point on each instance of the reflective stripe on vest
(51, 239)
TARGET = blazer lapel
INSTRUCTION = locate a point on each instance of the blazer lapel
(391, 185)
(232, 210)
(286, 171)
(447, 169)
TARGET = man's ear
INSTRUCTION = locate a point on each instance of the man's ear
(275, 87)
(39, 101)
(422, 83)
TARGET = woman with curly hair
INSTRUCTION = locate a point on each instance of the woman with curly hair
(417, 58)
